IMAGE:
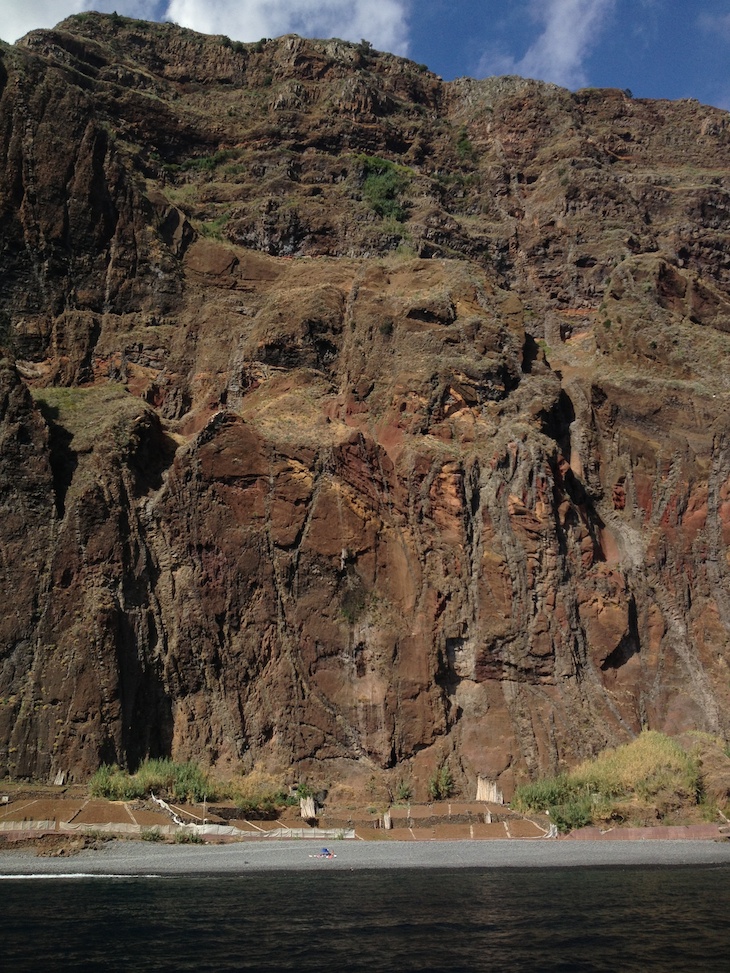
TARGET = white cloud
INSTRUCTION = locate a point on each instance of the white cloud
(570, 30)
(382, 22)
(17, 19)
(715, 24)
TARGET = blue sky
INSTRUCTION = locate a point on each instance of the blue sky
(657, 48)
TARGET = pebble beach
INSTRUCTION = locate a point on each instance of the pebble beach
(134, 858)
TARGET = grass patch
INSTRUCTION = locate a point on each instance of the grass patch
(260, 795)
(642, 781)
(89, 414)
(180, 781)
(198, 163)
(213, 228)
(207, 163)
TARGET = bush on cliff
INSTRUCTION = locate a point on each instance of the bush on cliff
(383, 185)
(642, 781)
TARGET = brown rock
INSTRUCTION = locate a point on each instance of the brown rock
(284, 481)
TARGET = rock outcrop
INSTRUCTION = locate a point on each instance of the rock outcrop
(351, 420)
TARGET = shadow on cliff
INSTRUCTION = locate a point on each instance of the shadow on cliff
(147, 719)
(557, 423)
(63, 459)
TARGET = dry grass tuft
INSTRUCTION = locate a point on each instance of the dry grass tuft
(641, 782)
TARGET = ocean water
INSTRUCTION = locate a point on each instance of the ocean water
(558, 919)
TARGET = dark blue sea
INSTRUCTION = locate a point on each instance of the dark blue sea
(557, 919)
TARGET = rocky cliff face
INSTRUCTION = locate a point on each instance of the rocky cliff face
(351, 420)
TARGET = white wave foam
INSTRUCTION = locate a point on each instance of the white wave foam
(52, 875)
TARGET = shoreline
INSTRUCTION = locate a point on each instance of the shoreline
(139, 859)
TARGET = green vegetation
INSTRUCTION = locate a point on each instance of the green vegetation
(198, 163)
(640, 782)
(151, 834)
(464, 148)
(441, 784)
(403, 791)
(383, 185)
(213, 228)
(180, 781)
(90, 414)
(207, 163)
(188, 838)
(62, 399)
(264, 807)
(261, 795)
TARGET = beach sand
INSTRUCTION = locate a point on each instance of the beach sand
(146, 858)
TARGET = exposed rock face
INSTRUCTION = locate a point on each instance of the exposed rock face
(375, 421)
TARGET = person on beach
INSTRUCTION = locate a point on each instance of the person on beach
(325, 853)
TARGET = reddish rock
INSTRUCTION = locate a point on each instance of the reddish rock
(273, 492)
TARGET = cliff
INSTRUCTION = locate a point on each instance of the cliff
(350, 420)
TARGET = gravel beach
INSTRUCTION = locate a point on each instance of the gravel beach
(141, 858)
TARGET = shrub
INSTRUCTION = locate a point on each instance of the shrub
(258, 808)
(383, 184)
(577, 813)
(188, 838)
(643, 779)
(441, 784)
(114, 784)
(259, 794)
(649, 766)
(464, 148)
(191, 783)
(542, 794)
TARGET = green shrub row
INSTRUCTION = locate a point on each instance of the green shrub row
(652, 772)
(180, 781)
